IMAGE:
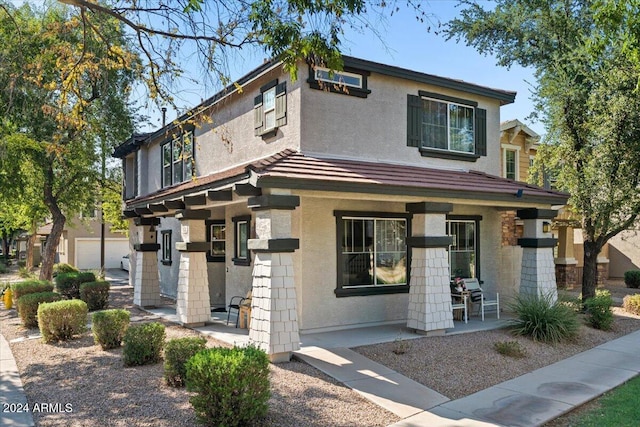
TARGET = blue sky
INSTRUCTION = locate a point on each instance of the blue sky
(407, 43)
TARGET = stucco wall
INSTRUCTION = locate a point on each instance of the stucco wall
(318, 306)
(375, 128)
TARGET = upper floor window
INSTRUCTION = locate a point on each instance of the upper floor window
(270, 108)
(339, 77)
(510, 161)
(177, 160)
(446, 127)
(349, 81)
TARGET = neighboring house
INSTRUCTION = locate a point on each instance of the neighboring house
(339, 199)
(518, 147)
(80, 244)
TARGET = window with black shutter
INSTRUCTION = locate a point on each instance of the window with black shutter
(446, 127)
(270, 109)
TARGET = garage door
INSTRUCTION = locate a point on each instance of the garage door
(88, 252)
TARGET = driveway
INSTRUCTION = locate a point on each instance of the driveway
(117, 277)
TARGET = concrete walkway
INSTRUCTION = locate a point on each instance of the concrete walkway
(529, 400)
(11, 391)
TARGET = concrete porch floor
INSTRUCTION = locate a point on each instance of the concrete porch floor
(347, 337)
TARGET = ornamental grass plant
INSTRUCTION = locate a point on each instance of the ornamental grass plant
(542, 318)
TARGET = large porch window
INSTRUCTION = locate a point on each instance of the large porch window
(464, 251)
(372, 254)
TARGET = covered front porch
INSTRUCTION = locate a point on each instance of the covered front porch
(285, 246)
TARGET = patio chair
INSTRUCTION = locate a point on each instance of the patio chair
(478, 295)
(236, 302)
(459, 302)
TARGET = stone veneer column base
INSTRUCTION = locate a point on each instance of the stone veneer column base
(192, 305)
(146, 288)
(274, 319)
(538, 276)
(566, 275)
(430, 309)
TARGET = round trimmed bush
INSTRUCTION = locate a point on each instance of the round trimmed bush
(543, 319)
(62, 267)
(28, 306)
(109, 327)
(95, 294)
(68, 284)
(632, 278)
(143, 344)
(30, 287)
(231, 385)
(176, 354)
(631, 303)
(61, 320)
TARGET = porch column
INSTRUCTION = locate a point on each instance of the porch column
(192, 307)
(146, 284)
(537, 274)
(274, 316)
(565, 262)
(429, 310)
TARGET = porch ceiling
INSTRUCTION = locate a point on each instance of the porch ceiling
(300, 171)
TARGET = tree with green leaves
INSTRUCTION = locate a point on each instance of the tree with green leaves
(216, 31)
(65, 82)
(586, 86)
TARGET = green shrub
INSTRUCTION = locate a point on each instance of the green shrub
(176, 354)
(28, 306)
(30, 287)
(25, 273)
(143, 344)
(62, 268)
(68, 284)
(109, 327)
(542, 319)
(599, 313)
(631, 303)
(510, 348)
(3, 268)
(632, 278)
(95, 294)
(231, 385)
(61, 320)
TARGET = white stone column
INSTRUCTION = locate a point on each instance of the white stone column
(538, 274)
(429, 310)
(192, 306)
(274, 317)
(146, 283)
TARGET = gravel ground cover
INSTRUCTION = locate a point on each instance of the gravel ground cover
(101, 391)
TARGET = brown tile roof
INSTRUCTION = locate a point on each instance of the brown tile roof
(296, 170)
(290, 169)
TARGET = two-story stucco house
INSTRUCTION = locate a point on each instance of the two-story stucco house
(339, 199)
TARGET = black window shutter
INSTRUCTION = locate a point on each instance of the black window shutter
(414, 121)
(281, 104)
(481, 132)
(257, 115)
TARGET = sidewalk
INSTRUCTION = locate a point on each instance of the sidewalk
(11, 391)
(529, 400)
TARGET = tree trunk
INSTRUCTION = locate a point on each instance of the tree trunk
(31, 244)
(590, 270)
(51, 246)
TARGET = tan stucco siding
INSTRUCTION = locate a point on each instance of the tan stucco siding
(375, 128)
